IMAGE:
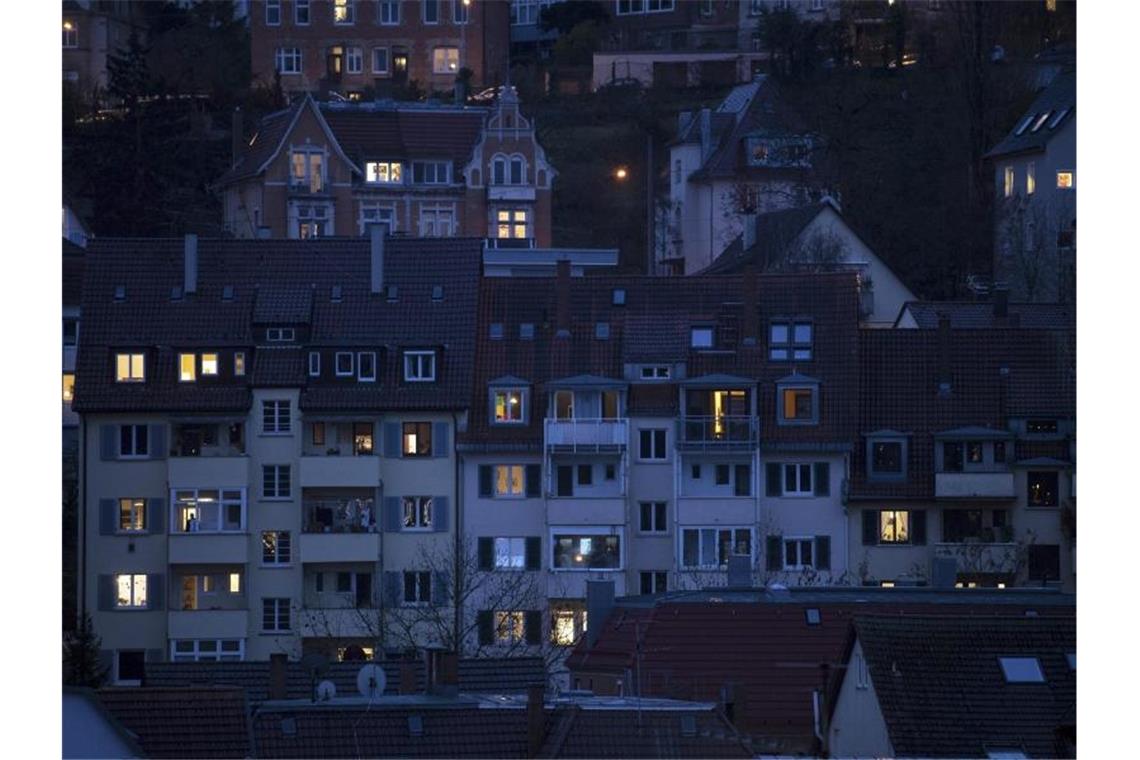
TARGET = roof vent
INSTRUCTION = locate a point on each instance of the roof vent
(437, 292)
(416, 725)
(393, 293)
(688, 726)
(176, 293)
(227, 292)
(619, 296)
(120, 292)
(336, 294)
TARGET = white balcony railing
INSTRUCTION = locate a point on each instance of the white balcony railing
(587, 434)
(973, 485)
(981, 557)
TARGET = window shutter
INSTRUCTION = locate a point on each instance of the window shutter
(486, 553)
(918, 527)
(156, 515)
(392, 514)
(108, 517)
(392, 440)
(393, 588)
(440, 445)
(772, 479)
(821, 479)
(440, 519)
(532, 626)
(486, 625)
(533, 480)
(485, 474)
(440, 588)
(108, 440)
(775, 549)
(157, 436)
(823, 552)
(534, 553)
(156, 591)
(870, 527)
(106, 592)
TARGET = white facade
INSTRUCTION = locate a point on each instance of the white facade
(857, 727)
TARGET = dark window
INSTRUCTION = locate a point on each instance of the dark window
(133, 441)
(653, 517)
(652, 444)
(275, 481)
(275, 614)
(999, 452)
(951, 457)
(585, 474)
(1041, 426)
(611, 472)
(275, 417)
(565, 484)
(654, 582)
(343, 582)
(960, 524)
(743, 484)
(1042, 490)
(886, 457)
(696, 472)
(132, 665)
(1044, 562)
(722, 471)
(417, 587)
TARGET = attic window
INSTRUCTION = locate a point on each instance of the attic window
(279, 334)
(619, 297)
(336, 294)
(496, 331)
(812, 616)
(1021, 670)
(602, 331)
(227, 292)
(437, 293)
(688, 725)
(416, 725)
(1057, 119)
(658, 372)
(1041, 427)
(526, 331)
(1024, 125)
(120, 292)
(702, 337)
(1040, 121)
(176, 293)
(392, 293)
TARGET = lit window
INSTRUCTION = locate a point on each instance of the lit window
(130, 591)
(417, 512)
(307, 170)
(70, 34)
(129, 368)
(1040, 122)
(239, 363)
(797, 405)
(344, 11)
(419, 366)
(417, 439)
(509, 627)
(1042, 489)
(510, 553)
(710, 548)
(209, 510)
(1064, 180)
(1030, 178)
(1021, 670)
(445, 60)
(361, 438)
(234, 586)
(288, 60)
(509, 406)
(894, 527)
(209, 364)
(702, 337)
(590, 551)
(68, 386)
(509, 480)
(187, 363)
(384, 172)
(275, 547)
(132, 515)
(1008, 184)
(512, 223)
(565, 634)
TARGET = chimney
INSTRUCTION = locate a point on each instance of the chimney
(278, 663)
(407, 677)
(1001, 303)
(535, 720)
(237, 136)
(749, 319)
(706, 133)
(599, 602)
(943, 354)
(748, 237)
(376, 236)
(447, 674)
(562, 299)
(190, 278)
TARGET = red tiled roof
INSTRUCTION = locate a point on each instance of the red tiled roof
(183, 722)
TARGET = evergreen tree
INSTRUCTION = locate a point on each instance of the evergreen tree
(81, 666)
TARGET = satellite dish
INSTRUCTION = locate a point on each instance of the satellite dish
(371, 680)
(326, 690)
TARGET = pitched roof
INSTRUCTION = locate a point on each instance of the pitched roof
(1059, 99)
(775, 232)
(976, 315)
(283, 282)
(174, 722)
(693, 644)
(266, 141)
(628, 733)
(942, 691)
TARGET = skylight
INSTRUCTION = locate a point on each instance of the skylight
(437, 292)
(619, 296)
(1040, 120)
(811, 614)
(496, 331)
(1071, 657)
(1057, 119)
(227, 292)
(1025, 124)
(1021, 670)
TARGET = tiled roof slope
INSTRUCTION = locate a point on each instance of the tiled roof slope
(968, 315)
(994, 375)
(766, 650)
(775, 231)
(1061, 94)
(574, 733)
(183, 722)
(264, 143)
(654, 326)
(73, 259)
(941, 688)
(305, 272)
(486, 675)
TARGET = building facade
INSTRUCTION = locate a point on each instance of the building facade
(353, 46)
(92, 31)
(324, 169)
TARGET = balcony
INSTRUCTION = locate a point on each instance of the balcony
(974, 485)
(344, 622)
(981, 557)
(585, 511)
(718, 433)
(224, 470)
(340, 471)
(207, 624)
(208, 548)
(587, 434)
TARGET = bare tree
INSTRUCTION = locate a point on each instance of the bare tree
(1036, 247)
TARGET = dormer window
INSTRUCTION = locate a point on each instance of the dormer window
(431, 172)
(797, 401)
(886, 456)
(344, 12)
(239, 363)
(701, 337)
(279, 334)
(314, 364)
(657, 372)
(130, 368)
(187, 363)
(508, 170)
(508, 406)
(366, 366)
(210, 364)
(384, 173)
(419, 366)
(344, 364)
(790, 340)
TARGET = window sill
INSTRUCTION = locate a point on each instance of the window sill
(1043, 507)
(417, 529)
(276, 565)
(277, 498)
(587, 569)
(267, 434)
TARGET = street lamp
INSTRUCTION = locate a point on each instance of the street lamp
(621, 173)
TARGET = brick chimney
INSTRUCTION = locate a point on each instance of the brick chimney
(278, 664)
(190, 264)
(535, 720)
(1001, 303)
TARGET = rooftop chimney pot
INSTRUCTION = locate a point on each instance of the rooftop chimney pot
(190, 284)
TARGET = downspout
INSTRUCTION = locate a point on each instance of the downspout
(81, 517)
(457, 490)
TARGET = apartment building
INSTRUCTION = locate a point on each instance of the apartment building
(356, 46)
(320, 169)
(964, 470)
(93, 30)
(655, 432)
(267, 448)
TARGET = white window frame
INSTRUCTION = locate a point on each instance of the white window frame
(275, 7)
(280, 421)
(354, 60)
(134, 453)
(136, 507)
(510, 471)
(388, 12)
(421, 168)
(70, 35)
(279, 605)
(239, 363)
(282, 474)
(349, 14)
(280, 557)
(297, 6)
(360, 376)
(387, 58)
(438, 220)
(511, 224)
(372, 212)
(654, 529)
(342, 371)
(1007, 181)
(291, 56)
(798, 469)
(415, 365)
(461, 12)
(391, 169)
(664, 453)
(799, 541)
(716, 565)
(225, 498)
(515, 629)
(424, 4)
(418, 505)
(507, 393)
(316, 182)
(510, 548)
(314, 364)
(196, 654)
(656, 373)
(134, 369)
(787, 343)
(580, 531)
(133, 585)
(279, 334)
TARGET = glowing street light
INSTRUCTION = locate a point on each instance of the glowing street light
(621, 172)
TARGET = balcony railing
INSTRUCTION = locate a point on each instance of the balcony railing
(340, 516)
(974, 484)
(981, 557)
(587, 434)
(718, 432)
